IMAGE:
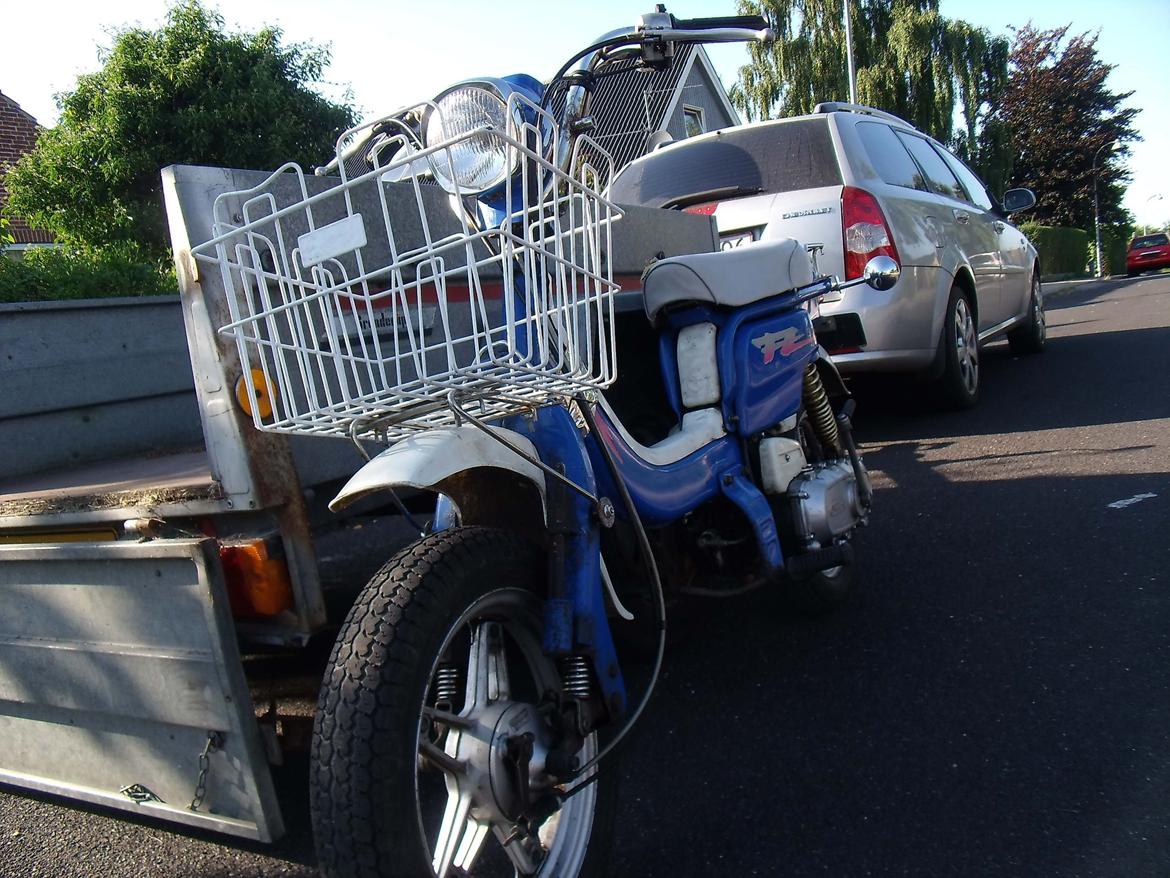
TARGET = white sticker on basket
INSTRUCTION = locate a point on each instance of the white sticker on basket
(382, 321)
(343, 236)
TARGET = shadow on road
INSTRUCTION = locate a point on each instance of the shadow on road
(986, 708)
(1062, 387)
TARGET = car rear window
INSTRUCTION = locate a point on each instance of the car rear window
(1149, 241)
(739, 161)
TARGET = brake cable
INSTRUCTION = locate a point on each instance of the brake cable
(656, 590)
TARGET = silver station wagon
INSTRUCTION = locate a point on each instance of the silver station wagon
(850, 183)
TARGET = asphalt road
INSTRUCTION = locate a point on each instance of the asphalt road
(994, 702)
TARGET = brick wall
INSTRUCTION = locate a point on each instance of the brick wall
(18, 133)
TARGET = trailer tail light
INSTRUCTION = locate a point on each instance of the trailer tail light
(258, 584)
(865, 232)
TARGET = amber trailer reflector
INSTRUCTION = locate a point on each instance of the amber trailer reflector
(263, 397)
(258, 585)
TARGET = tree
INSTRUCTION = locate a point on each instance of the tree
(186, 93)
(909, 60)
(1062, 114)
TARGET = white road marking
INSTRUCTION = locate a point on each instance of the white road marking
(1136, 498)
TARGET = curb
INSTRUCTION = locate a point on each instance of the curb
(1053, 289)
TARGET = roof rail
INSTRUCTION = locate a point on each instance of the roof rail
(842, 107)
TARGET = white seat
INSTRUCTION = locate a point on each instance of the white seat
(731, 278)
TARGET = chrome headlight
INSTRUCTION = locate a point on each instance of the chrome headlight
(476, 162)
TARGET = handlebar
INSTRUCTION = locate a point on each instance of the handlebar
(745, 22)
(724, 29)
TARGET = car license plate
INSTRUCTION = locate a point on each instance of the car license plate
(735, 239)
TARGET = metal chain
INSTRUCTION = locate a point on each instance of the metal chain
(214, 742)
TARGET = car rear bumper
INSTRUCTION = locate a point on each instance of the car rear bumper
(897, 327)
(1152, 264)
(883, 361)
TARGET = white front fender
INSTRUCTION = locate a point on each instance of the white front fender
(428, 459)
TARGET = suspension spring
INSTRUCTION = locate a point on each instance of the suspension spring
(446, 687)
(816, 402)
(576, 678)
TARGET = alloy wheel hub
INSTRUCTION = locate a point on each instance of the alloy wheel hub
(493, 768)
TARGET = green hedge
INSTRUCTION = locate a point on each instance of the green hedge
(1062, 250)
(47, 273)
(1114, 244)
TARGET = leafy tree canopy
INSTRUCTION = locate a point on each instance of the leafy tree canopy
(189, 92)
(1063, 116)
(909, 60)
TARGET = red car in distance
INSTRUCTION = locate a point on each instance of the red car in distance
(1147, 253)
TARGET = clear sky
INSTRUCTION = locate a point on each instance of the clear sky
(392, 52)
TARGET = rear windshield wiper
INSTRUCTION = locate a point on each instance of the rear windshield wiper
(711, 195)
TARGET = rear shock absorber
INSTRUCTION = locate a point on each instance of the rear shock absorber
(576, 679)
(446, 687)
(816, 402)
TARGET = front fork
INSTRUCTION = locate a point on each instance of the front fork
(576, 629)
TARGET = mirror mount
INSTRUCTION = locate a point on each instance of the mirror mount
(880, 273)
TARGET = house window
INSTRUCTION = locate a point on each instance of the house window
(693, 120)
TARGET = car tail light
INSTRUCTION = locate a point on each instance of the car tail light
(864, 230)
(705, 209)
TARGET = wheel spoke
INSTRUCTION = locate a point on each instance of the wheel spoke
(966, 346)
(487, 670)
(453, 827)
(474, 835)
(442, 759)
(1038, 313)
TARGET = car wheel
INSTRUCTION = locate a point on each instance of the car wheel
(959, 384)
(1029, 336)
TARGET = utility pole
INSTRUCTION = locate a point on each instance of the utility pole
(1157, 196)
(1096, 209)
(849, 54)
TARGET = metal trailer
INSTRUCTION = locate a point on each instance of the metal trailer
(130, 584)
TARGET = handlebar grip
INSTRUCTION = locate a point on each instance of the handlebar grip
(747, 22)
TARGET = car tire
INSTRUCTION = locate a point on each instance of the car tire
(960, 383)
(1029, 337)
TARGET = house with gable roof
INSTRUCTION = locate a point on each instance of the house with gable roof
(18, 134)
(635, 109)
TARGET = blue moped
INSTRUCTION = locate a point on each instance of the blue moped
(474, 697)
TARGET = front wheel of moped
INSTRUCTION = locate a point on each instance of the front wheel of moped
(429, 745)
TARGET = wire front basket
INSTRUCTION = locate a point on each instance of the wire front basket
(359, 306)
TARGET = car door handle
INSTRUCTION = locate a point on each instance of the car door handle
(998, 226)
(961, 216)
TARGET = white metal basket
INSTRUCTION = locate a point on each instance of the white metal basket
(359, 306)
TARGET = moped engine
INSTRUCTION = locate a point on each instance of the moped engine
(825, 503)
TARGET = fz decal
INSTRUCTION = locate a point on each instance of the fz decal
(785, 342)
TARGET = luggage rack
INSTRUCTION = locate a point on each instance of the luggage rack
(357, 310)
